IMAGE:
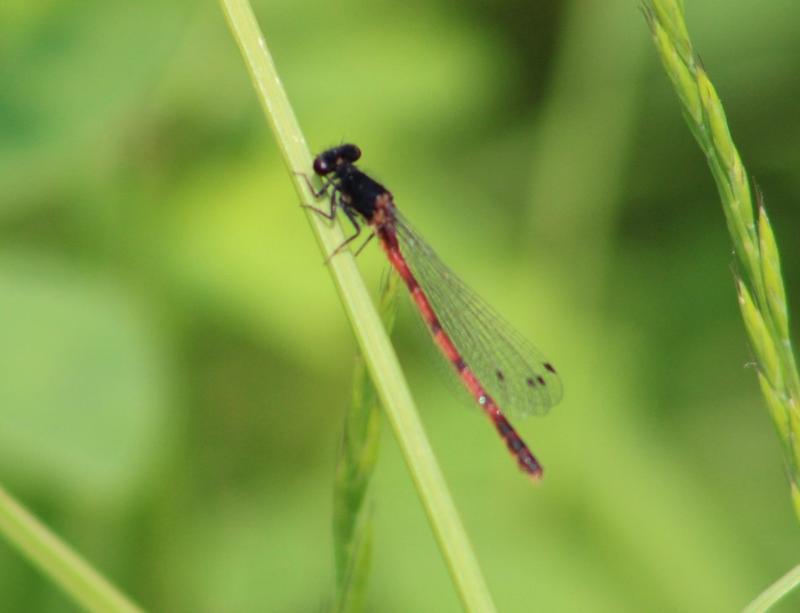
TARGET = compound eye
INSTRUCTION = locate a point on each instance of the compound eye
(321, 166)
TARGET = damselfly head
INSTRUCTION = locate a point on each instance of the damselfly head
(327, 161)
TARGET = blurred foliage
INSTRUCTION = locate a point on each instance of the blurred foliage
(355, 465)
(174, 365)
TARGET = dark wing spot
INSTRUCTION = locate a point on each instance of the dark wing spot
(530, 382)
(549, 367)
(540, 379)
(500, 375)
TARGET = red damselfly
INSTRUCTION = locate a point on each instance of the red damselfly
(495, 363)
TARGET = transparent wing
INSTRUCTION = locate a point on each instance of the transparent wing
(512, 370)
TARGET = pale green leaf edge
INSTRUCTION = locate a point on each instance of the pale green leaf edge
(63, 566)
(773, 594)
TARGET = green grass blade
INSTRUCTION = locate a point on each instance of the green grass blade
(56, 560)
(762, 296)
(773, 594)
(352, 511)
(373, 341)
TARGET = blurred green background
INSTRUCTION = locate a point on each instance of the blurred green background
(175, 365)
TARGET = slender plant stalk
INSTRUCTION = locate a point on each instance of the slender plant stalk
(56, 560)
(373, 341)
(762, 297)
(773, 594)
(352, 508)
(761, 293)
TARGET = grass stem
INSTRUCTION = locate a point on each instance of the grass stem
(373, 341)
(60, 563)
